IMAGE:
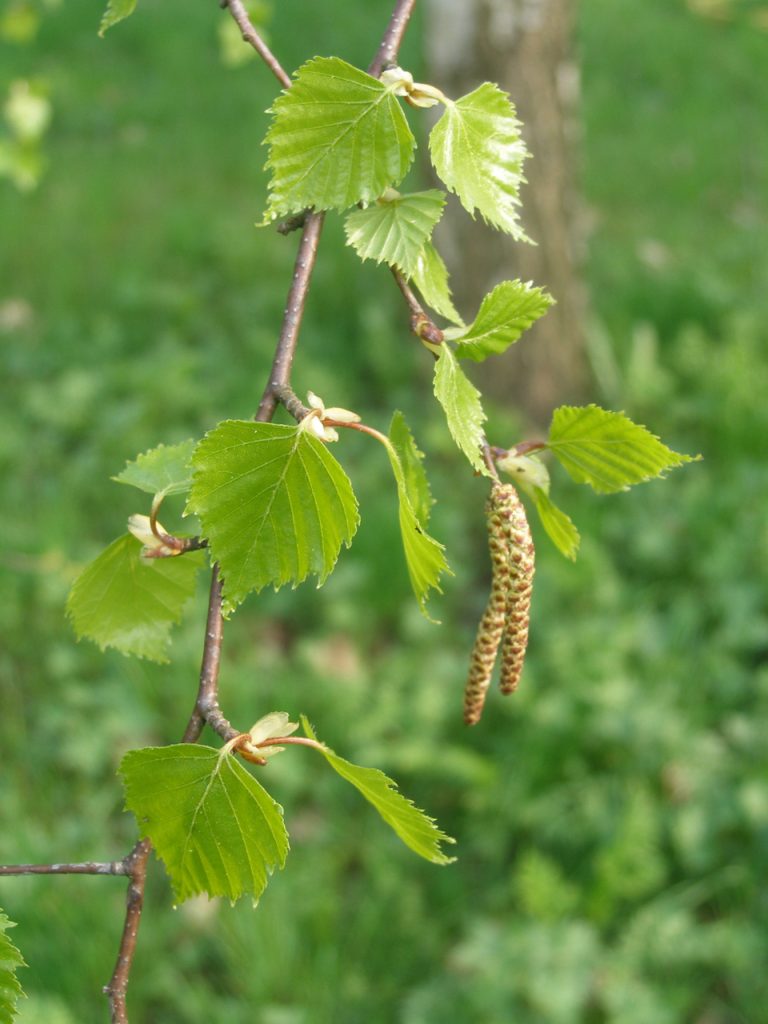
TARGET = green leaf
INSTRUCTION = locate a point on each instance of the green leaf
(477, 151)
(431, 278)
(338, 137)
(412, 464)
(10, 960)
(395, 230)
(559, 526)
(216, 829)
(424, 556)
(274, 504)
(460, 400)
(504, 314)
(417, 831)
(124, 601)
(164, 470)
(607, 450)
(116, 11)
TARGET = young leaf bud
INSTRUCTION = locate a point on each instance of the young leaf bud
(140, 527)
(527, 471)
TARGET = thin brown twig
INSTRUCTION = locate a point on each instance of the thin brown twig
(237, 9)
(136, 865)
(393, 37)
(529, 446)
(280, 373)
(207, 702)
(290, 401)
(88, 867)
(487, 451)
(363, 428)
(421, 323)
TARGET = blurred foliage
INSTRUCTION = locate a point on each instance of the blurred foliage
(26, 110)
(612, 818)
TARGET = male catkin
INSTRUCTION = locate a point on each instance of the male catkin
(521, 569)
(491, 626)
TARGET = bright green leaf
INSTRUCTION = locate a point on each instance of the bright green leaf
(215, 828)
(338, 137)
(559, 526)
(460, 400)
(124, 601)
(431, 278)
(412, 463)
(417, 831)
(10, 960)
(274, 504)
(164, 470)
(504, 314)
(607, 450)
(424, 556)
(116, 11)
(395, 230)
(477, 151)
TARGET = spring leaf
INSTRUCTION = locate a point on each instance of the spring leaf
(417, 831)
(431, 278)
(338, 137)
(124, 601)
(559, 527)
(424, 556)
(460, 400)
(116, 11)
(607, 450)
(164, 470)
(477, 151)
(10, 960)
(395, 230)
(215, 828)
(412, 463)
(274, 504)
(504, 314)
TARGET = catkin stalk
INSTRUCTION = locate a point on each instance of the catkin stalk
(491, 626)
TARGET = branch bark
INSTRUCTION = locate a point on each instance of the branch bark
(393, 37)
(89, 867)
(136, 862)
(280, 374)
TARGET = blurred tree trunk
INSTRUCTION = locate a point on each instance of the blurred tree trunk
(525, 46)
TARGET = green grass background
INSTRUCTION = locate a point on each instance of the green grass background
(613, 818)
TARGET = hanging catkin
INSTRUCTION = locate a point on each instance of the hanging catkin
(521, 569)
(489, 632)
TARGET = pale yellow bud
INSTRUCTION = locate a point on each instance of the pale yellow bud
(141, 528)
(399, 81)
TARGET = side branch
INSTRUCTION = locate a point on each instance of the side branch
(250, 35)
(89, 867)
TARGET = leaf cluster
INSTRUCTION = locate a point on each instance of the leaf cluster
(220, 833)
